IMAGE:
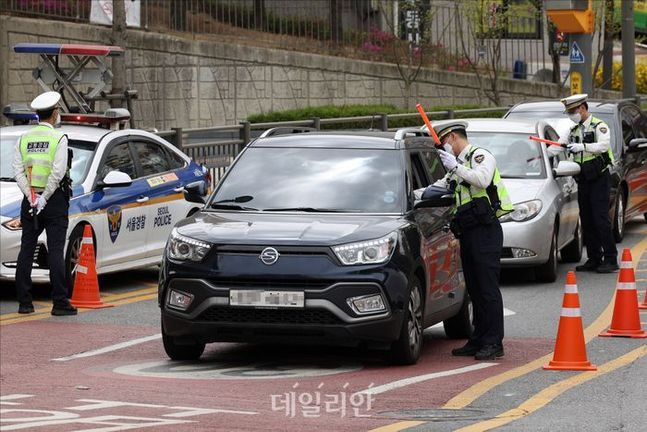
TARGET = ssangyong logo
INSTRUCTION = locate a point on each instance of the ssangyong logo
(269, 256)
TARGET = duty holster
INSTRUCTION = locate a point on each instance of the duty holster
(66, 182)
(468, 216)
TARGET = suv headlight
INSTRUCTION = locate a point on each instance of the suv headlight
(367, 252)
(523, 211)
(185, 248)
(13, 224)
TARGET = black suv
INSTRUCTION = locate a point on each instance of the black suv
(628, 125)
(318, 238)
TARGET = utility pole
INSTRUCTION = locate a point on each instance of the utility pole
(607, 56)
(118, 62)
(628, 50)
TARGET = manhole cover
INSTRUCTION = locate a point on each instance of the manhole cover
(235, 370)
(436, 414)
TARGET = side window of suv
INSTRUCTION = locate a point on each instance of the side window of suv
(118, 159)
(418, 173)
(152, 158)
(434, 165)
(550, 134)
(638, 120)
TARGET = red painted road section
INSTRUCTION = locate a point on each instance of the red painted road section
(27, 368)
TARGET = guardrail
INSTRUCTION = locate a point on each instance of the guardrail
(216, 147)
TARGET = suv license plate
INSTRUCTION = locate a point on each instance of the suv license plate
(282, 299)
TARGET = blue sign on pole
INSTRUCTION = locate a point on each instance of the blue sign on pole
(577, 56)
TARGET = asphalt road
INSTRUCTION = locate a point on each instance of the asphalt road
(106, 370)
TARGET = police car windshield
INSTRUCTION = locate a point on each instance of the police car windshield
(322, 179)
(83, 151)
(516, 155)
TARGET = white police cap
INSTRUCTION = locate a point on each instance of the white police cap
(45, 101)
(574, 101)
(445, 128)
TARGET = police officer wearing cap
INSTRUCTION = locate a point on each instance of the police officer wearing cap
(41, 165)
(589, 141)
(481, 199)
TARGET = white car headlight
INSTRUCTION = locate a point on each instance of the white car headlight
(367, 252)
(185, 248)
(523, 211)
(13, 224)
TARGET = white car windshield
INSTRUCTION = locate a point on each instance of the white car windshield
(516, 155)
(82, 150)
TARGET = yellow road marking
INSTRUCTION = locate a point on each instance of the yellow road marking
(115, 299)
(469, 395)
(548, 394)
(395, 427)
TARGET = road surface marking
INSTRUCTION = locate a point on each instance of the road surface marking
(506, 312)
(110, 348)
(395, 427)
(474, 392)
(6, 400)
(548, 394)
(420, 378)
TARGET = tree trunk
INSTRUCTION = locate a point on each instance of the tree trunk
(119, 39)
(607, 59)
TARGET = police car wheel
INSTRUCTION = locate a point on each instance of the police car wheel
(72, 256)
(182, 351)
(406, 350)
(460, 325)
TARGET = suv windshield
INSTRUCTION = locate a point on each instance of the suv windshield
(313, 179)
(516, 155)
(83, 151)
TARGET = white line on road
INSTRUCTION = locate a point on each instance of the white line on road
(110, 348)
(506, 312)
(420, 378)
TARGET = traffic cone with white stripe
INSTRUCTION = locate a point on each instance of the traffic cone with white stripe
(570, 347)
(86, 283)
(626, 317)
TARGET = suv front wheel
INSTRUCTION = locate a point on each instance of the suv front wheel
(406, 350)
(181, 351)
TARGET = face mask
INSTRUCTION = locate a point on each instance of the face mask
(448, 148)
(575, 118)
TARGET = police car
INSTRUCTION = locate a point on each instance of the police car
(129, 185)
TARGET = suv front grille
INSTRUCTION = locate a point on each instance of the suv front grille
(271, 283)
(268, 316)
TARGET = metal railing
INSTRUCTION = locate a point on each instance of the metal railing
(446, 35)
(216, 147)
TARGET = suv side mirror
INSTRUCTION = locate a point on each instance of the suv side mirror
(566, 169)
(637, 144)
(115, 179)
(435, 196)
(193, 192)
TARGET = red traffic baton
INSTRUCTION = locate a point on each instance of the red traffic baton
(545, 141)
(432, 132)
(33, 200)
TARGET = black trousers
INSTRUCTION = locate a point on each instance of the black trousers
(593, 199)
(481, 256)
(53, 219)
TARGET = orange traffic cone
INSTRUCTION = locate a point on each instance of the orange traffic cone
(86, 283)
(626, 318)
(643, 305)
(570, 348)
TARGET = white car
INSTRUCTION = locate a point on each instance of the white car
(128, 185)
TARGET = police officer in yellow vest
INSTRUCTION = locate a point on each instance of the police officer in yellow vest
(40, 165)
(481, 198)
(589, 141)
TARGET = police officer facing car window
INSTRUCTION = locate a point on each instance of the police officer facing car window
(41, 166)
(589, 141)
(481, 199)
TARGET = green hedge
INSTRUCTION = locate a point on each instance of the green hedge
(333, 111)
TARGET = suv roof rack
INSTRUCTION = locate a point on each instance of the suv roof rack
(401, 133)
(286, 130)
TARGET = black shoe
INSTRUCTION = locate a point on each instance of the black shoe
(489, 352)
(466, 350)
(589, 265)
(26, 308)
(62, 310)
(607, 267)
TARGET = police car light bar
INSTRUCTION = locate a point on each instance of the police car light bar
(19, 113)
(68, 49)
(110, 118)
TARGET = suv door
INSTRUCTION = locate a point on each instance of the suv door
(634, 125)
(163, 195)
(122, 237)
(439, 247)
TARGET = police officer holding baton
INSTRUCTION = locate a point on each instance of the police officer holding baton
(589, 141)
(481, 199)
(41, 170)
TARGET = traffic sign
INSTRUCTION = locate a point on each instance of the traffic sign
(577, 56)
(576, 83)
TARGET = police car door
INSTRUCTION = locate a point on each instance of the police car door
(166, 204)
(122, 212)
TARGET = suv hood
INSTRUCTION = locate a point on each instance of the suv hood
(286, 229)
